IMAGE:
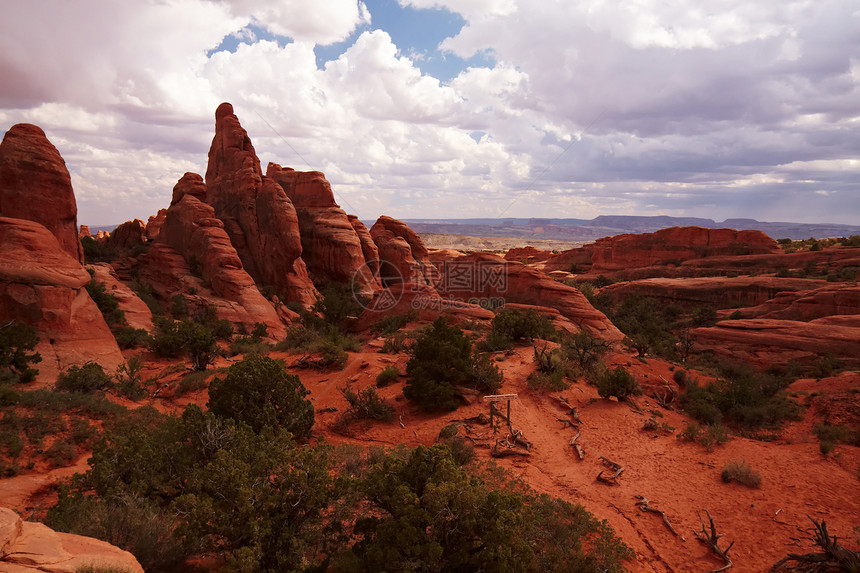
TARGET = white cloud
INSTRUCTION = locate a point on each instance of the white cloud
(591, 107)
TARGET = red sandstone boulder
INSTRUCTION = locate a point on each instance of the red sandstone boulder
(402, 254)
(35, 185)
(491, 281)
(331, 247)
(30, 546)
(767, 342)
(717, 292)
(368, 248)
(668, 247)
(128, 235)
(189, 184)
(258, 216)
(191, 230)
(137, 314)
(527, 255)
(41, 285)
(828, 300)
(154, 223)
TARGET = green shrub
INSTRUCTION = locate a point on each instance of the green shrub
(583, 348)
(298, 338)
(61, 454)
(128, 379)
(129, 337)
(740, 472)
(95, 252)
(826, 446)
(88, 378)
(393, 322)
(259, 392)
(742, 396)
(179, 306)
(617, 382)
(192, 382)
(442, 359)
(173, 338)
(387, 376)
(366, 405)
(248, 345)
(394, 344)
(514, 325)
(107, 303)
(547, 381)
(17, 340)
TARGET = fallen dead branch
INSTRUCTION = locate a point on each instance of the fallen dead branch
(508, 451)
(577, 447)
(665, 399)
(643, 504)
(834, 557)
(712, 540)
(519, 439)
(612, 479)
(634, 405)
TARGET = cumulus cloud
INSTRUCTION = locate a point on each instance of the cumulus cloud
(712, 108)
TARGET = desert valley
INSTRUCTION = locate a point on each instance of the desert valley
(255, 380)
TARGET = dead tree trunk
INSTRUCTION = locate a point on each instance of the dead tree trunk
(612, 479)
(834, 557)
(643, 506)
(712, 540)
(577, 447)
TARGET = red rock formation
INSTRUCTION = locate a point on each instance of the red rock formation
(189, 184)
(41, 285)
(717, 292)
(30, 546)
(402, 254)
(832, 299)
(331, 248)
(368, 248)
(84, 232)
(527, 255)
(137, 314)
(35, 185)
(767, 342)
(128, 235)
(192, 230)
(102, 236)
(492, 281)
(257, 214)
(154, 223)
(620, 254)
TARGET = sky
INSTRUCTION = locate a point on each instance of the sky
(455, 108)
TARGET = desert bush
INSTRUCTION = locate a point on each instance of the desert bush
(740, 472)
(552, 381)
(192, 382)
(336, 304)
(179, 306)
(617, 382)
(386, 376)
(647, 323)
(17, 340)
(107, 303)
(298, 338)
(393, 322)
(61, 454)
(366, 405)
(583, 348)
(425, 509)
(172, 338)
(259, 392)
(128, 379)
(510, 326)
(442, 359)
(709, 436)
(90, 377)
(129, 337)
(394, 344)
(95, 252)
